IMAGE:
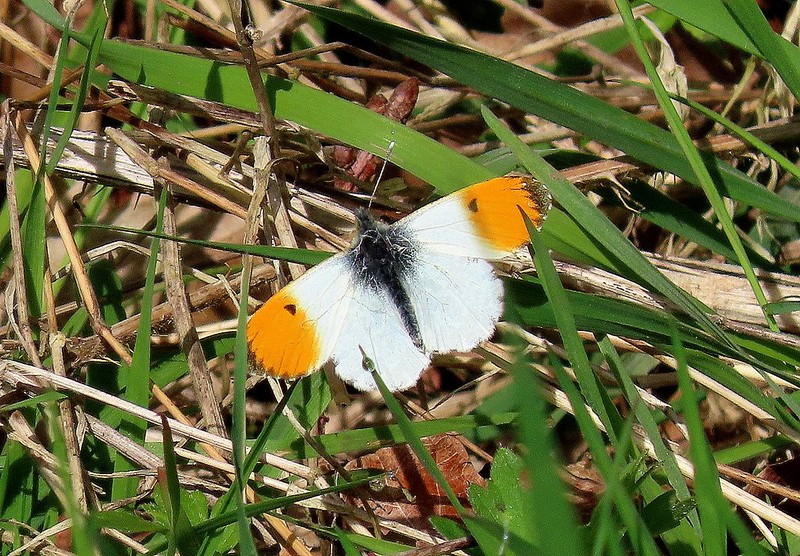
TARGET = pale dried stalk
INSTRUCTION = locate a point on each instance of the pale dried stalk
(25, 46)
(565, 36)
(25, 376)
(383, 14)
(21, 431)
(81, 275)
(91, 348)
(21, 305)
(276, 220)
(138, 155)
(189, 341)
(261, 183)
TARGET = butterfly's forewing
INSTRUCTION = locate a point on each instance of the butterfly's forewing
(482, 220)
(295, 331)
(454, 292)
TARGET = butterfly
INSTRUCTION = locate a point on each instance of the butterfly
(401, 292)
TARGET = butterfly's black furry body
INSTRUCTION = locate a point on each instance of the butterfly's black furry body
(381, 257)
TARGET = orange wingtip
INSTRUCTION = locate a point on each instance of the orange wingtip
(493, 207)
(282, 339)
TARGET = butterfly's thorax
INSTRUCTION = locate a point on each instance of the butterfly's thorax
(381, 257)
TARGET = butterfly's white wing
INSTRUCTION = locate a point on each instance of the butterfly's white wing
(295, 331)
(454, 293)
(457, 300)
(373, 323)
(325, 314)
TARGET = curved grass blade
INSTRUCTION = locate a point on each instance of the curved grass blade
(675, 217)
(560, 104)
(290, 254)
(699, 167)
(752, 21)
(137, 374)
(547, 502)
(78, 101)
(595, 224)
(258, 508)
(713, 17)
(710, 502)
(325, 113)
(414, 442)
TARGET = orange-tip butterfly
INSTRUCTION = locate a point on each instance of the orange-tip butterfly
(400, 292)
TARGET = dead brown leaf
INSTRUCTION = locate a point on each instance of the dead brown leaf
(409, 494)
(363, 165)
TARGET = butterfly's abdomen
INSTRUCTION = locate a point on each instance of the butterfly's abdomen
(381, 257)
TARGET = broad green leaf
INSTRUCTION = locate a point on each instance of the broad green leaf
(503, 500)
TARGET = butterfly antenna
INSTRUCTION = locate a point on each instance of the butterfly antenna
(380, 174)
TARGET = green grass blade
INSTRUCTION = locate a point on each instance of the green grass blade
(746, 136)
(703, 173)
(79, 100)
(547, 502)
(348, 546)
(182, 534)
(640, 537)
(404, 423)
(752, 449)
(232, 497)
(689, 540)
(710, 503)
(47, 12)
(267, 506)
(34, 238)
(247, 544)
(52, 101)
(477, 428)
(24, 182)
(343, 120)
(598, 226)
(17, 481)
(675, 217)
(302, 256)
(137, 386)
(565, 324)
(713, 17)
